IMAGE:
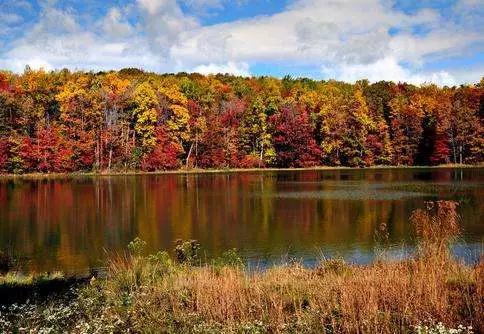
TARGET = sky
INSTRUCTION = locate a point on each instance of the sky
(416, 41)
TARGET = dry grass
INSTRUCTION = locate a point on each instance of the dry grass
(381, 298)
(154, 294)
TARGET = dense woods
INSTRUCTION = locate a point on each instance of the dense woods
(66, 121)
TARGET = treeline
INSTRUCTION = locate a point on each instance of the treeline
(65, 121)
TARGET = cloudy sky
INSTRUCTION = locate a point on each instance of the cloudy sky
(417, 41)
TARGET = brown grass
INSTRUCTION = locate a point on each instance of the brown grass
(156, 294)
(382, 298)
(151, 294)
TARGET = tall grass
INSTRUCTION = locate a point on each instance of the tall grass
(153, 294)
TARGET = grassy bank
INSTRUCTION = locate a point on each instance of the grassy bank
(223, 170)
(156, 293)
(19, 288)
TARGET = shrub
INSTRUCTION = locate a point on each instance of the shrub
(137, 246)
(162, 258)
(230, 258)
(6, 262)
(336, 266)
(187, 251)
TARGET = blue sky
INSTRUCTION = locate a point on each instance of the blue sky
(415, 41)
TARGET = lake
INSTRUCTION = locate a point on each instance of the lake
(71, 223)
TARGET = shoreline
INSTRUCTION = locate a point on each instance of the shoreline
(227, 170)
(223, 297)
(144, 291)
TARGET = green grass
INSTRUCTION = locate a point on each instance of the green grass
(15, 279)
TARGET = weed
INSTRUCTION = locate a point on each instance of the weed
(187, 252)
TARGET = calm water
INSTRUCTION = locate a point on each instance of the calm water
(70, 223)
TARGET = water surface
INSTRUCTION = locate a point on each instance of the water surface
(70, 223)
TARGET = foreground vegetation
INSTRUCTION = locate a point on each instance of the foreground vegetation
(428, 293)
(130, 120)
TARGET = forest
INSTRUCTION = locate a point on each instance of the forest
(131, 120)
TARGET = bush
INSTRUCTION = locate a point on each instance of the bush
(230, 258)
(6, 262)
(137, 246)
(162, 258)
(336, 266)
(187, 252)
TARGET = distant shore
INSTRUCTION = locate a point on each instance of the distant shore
(225, 170)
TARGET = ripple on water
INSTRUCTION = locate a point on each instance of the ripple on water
(353, 194)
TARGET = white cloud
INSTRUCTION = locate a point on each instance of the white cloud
(153, 6)
(55, 21)
(18, 65)
(163, 22)
(57, 41)
(349, 37)
(335, 34)
(312, 31)
(439, 43)
(113, 25)
(387, 69)
(470, 13)
(241, 69)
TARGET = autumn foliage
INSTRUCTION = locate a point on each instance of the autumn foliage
(65, 121)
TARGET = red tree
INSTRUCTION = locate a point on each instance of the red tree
(165, 155)
(293, 138)
(441, 150)
(3, 154)
(212, 148)
(52, 152)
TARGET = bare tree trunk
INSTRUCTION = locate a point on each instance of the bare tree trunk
(188, 156)
(196, 150)
(110, 158)
(96, 153)
(100, 151)
(126, 149)
(38, 151)
(453, 146)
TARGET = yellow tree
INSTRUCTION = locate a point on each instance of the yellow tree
(255, 135)
(145, 115)
(115, 93)
(175, 113)
(81, 119)
(39, 92)
(378, 141)
(332, 114)
(406, 127)
(358, 125)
